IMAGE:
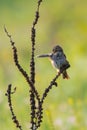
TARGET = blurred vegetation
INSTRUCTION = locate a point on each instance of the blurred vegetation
(61, 22)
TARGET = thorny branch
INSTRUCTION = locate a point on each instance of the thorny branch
(34, 116)
(24, 73)
(36, 111)
(53, 82)
(14, 118)
(47, 90)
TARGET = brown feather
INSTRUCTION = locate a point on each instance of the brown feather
(65, 75)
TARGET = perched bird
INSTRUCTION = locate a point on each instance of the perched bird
(58, 60)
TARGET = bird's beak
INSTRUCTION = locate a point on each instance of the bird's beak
(44, 55)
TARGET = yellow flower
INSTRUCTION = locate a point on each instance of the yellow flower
(70, 101)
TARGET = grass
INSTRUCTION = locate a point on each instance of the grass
(61, 23)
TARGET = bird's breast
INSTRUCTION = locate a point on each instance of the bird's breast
(55, 64)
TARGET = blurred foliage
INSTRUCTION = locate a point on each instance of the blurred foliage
(61, 22)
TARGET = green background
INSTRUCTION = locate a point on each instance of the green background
(62, 22)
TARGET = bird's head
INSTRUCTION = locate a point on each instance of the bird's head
(57, 49)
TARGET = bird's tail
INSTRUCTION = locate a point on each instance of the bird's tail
(65, 75)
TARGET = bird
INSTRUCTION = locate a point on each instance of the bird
(58, 60)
